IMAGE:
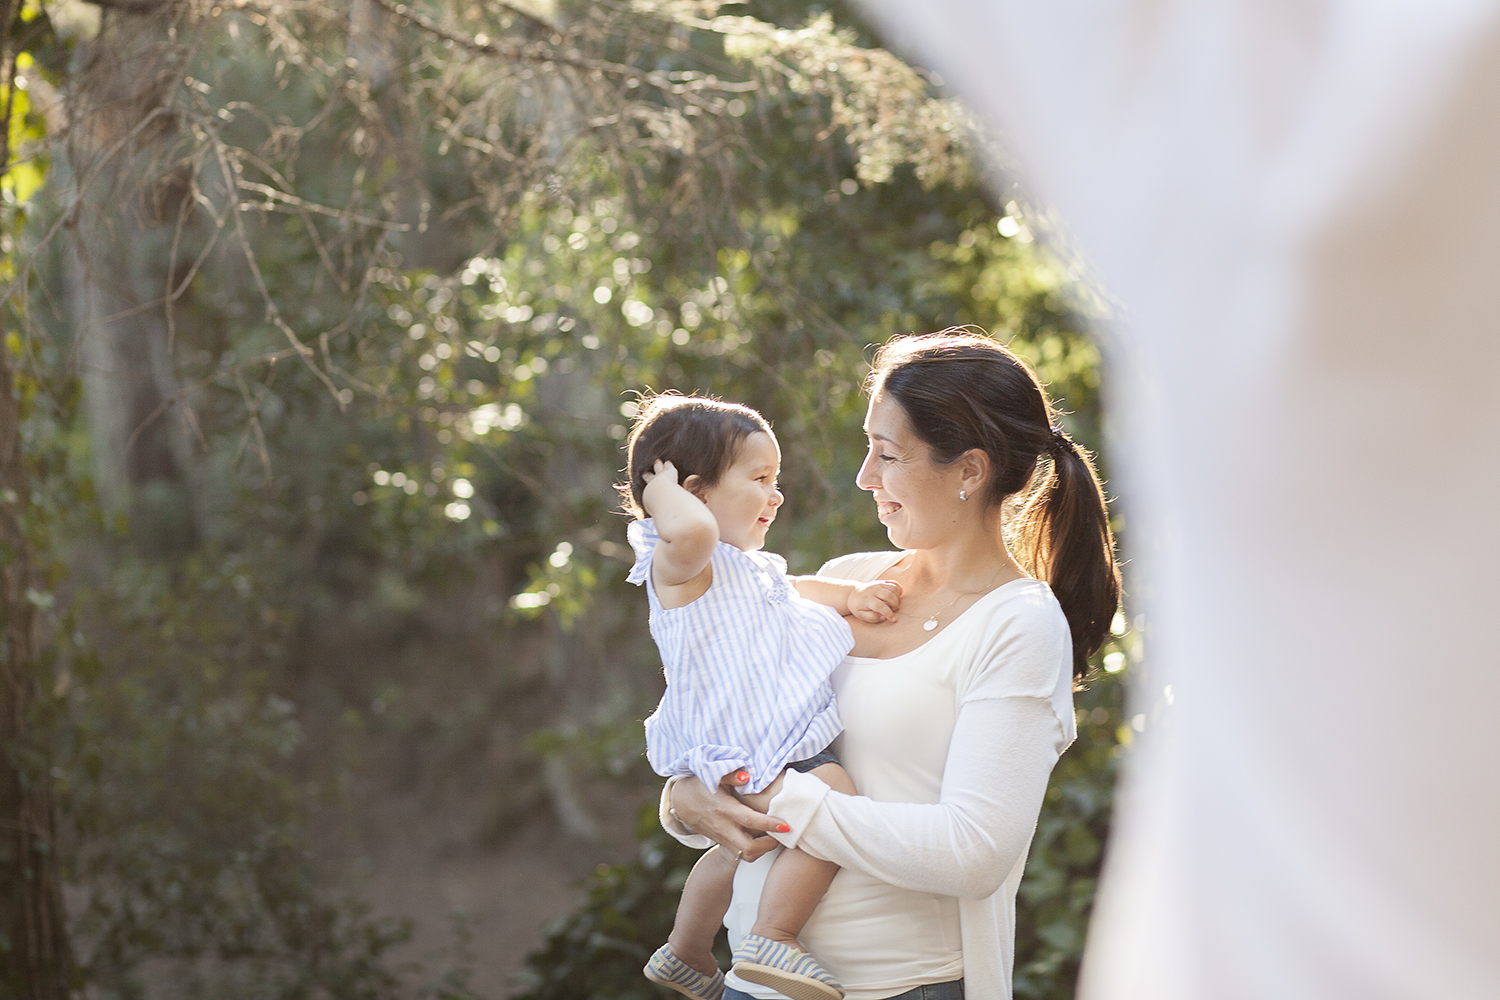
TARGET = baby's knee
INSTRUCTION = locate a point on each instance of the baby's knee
(719, 858)
(835, 777)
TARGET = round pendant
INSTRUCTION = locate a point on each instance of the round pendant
(930, 624)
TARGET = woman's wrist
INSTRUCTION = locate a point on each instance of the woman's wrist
(673, 824)
(671, 811)
(797, 800)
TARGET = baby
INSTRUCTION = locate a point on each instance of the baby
(747, 652)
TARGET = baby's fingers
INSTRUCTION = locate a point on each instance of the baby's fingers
(661, 468)
(875, 612)
(890, 592)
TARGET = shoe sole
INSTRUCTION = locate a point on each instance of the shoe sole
(685, 991)
(788, 984)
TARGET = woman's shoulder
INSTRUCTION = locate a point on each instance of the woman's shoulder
(1022, 610)
(859, 565)
(1020, 643)
(1029, 602)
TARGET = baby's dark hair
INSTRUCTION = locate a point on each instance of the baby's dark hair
(698, 435)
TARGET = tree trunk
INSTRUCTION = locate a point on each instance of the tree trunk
(35, 958)
(135, 203)
(576, 660)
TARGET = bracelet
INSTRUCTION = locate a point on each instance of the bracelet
(678, 820)
(672, 811)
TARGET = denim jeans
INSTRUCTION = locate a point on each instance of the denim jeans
(937, 991)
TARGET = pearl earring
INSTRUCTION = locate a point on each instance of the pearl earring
(963, 494)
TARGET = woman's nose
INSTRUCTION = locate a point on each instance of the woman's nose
(866, 479)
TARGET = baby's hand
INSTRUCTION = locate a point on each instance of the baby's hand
(665, 469)
(875, 601)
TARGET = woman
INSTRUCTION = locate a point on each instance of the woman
(955, 711)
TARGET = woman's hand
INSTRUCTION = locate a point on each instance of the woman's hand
(721, 817)
(761, 801)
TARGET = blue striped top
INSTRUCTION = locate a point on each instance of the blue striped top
(747, 668)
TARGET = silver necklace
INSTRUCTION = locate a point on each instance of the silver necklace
(932, 620)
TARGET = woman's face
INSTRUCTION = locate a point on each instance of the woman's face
(916, 498)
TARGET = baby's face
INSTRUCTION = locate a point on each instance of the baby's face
(745, 499)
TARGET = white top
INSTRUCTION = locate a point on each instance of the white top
(747, 667)
(951, 746)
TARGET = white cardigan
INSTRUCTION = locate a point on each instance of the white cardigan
(1007, 661)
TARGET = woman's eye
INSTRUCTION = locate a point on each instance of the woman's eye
(886, 458)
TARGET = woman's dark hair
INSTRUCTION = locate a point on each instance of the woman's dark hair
(962, 390)
(700, 436)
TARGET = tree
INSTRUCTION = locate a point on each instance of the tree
(35, 959)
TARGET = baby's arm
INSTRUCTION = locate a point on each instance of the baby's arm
(869, 601)
(687, 528)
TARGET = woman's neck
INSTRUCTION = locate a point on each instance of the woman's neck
(969, 561)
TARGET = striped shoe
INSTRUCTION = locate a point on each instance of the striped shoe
(672, 972)
(789, 971)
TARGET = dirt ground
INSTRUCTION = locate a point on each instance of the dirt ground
(430, 867)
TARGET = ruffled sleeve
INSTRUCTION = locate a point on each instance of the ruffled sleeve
(643, 538)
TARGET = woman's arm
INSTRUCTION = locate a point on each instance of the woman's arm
(965, 845)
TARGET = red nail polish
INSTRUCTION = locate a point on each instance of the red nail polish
(783, 828)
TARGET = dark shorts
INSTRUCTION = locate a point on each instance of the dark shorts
(936, 991)
(824, 756)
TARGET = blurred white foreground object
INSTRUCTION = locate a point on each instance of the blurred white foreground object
(1299, 206)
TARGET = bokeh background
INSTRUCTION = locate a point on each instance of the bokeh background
(324, 322)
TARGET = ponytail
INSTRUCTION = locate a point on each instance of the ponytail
(1062, 535)
(961, 391)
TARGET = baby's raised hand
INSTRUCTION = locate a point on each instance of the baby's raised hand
(875, 601)
(664, 469)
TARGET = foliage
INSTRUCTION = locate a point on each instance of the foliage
(408, 267)
(192, 830)
(1057, 892)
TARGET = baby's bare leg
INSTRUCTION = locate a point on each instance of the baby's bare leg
(700, 912)
(797, 880)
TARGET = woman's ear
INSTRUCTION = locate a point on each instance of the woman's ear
(974, 470)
